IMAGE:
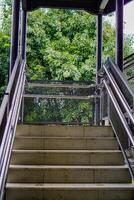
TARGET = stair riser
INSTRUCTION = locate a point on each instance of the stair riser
(67, 158)
(63, 131)
(45, 178)
(60, 143)
(54, 194)
(76, 175)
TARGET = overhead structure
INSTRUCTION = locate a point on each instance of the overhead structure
(14, 34)
(103, 5)
(96, 7)
(119, 54)
(92, 6)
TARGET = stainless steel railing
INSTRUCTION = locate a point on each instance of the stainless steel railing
(129, 66)
(59, 102)
(120, 106)
(9, 112)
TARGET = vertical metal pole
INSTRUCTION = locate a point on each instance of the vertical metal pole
(93, 112)
(99, 45)
(24, 33)
(21, 118)
(98, 63)
(119, 33)
(14, 34)
(23, 51)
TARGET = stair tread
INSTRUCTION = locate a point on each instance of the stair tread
(66, 167)
(53, 165)
(75, 138)
(67, 157)
(71, 185)
(66, 125)
(65, 151)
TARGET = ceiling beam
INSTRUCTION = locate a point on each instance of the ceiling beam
(103, 5)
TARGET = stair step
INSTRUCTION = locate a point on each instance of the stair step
(69, 191)
(67, 157)
(56, 162)
(63, 131)
(92, 143)
(68, 174)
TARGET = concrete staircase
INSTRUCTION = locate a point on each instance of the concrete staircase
(52, 162)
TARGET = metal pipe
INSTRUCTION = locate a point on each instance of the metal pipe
(123, 152)
(130, 78)
(61, 96)
(59, 85)
(23, 34)
(126, 58)
(9, 133)
(119, 33)
(98, 63)
(14, 34)
(120, 75)
(8, 91)
(129, 65)
(119, 94)
(19, 84)
(118, 110)
(99, 45)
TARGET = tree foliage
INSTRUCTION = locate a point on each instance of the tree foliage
(65, 44)
(62, 45)
(4, 61)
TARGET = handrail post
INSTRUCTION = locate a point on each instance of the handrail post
(99, 45)
(14, 33)
(23, 51)
(119, 33)
(23, 34)
(98, 62)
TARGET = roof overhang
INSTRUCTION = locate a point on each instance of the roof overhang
(92, 6)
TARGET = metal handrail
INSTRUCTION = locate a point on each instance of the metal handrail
(124, 123)
(2, 147)
(121, 82)
(119, 94)
(61, 96)
(114, 83)
(60, 85)
(13, 98)
(130, 78)
(8, 90)
(128, 57)
(118, 109)
(128, 63)
(43, 94)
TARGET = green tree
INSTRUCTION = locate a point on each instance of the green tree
(66, 42)
(4, 44)
(62, 45)
(4, 61)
